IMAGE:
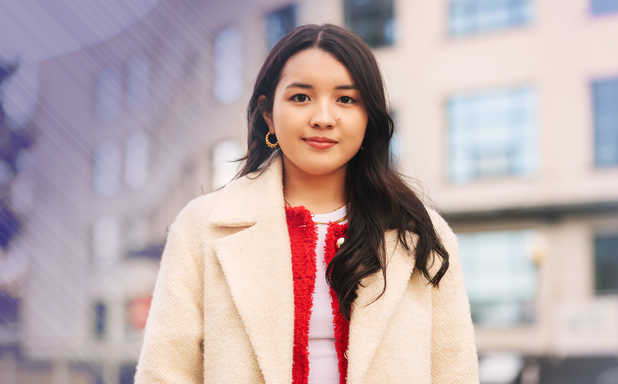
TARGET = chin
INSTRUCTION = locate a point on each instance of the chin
(315, 166)
(320, 169)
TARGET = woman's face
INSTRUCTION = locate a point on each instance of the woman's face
(318, 116)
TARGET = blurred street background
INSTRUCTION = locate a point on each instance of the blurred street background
(114, 114)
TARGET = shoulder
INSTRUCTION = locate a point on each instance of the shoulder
(194, 215)
(447, 237)
(441, 226)
(204, 210)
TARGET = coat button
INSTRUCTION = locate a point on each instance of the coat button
(340, 242)
(345, 354)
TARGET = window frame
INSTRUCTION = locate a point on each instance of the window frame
(476, 28)
(517, 105)
(353, 19)
(597, 268)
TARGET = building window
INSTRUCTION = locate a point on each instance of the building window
(108, 94)
(606, 263)
(126, 373)
(491, 133)
(468, 17)
(223, 166)
(228, 65)
(105, 241)
(500, 275)
(107, 169)
(371, 20)
(100, 319)
(136, 167)
(279, 22)
(138, 70)
(137, 236)
(605, 100)
(601, 7)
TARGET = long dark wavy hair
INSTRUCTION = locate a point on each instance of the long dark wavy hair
(377, 197)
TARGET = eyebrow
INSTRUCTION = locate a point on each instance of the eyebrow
(309, 86)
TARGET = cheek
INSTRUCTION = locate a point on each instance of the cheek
(356, 131)
(286, 120)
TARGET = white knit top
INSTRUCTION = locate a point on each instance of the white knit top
(323, 363)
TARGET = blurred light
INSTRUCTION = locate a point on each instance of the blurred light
(223, 167)
(500, 368)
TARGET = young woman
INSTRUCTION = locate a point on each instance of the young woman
(317, 264)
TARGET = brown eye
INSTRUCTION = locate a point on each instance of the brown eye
(300, 97)
(347, 99)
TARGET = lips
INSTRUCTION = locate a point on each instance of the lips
(320, 142)
(319, 139)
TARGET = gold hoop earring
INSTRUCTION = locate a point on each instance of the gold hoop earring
(271, 145)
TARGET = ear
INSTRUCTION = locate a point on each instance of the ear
(266, 116)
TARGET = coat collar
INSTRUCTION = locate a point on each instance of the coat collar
(256, 262)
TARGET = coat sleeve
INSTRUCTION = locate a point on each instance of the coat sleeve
(453, 352)
(172, 348)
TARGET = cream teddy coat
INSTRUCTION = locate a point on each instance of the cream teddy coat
(222, 308)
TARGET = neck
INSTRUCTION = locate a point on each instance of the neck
(317, 193)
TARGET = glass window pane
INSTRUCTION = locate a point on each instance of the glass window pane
(100, 319)
(600, 7)
(468, 17)
(501, 278)
(136, 167)
(106, 169)
(605, 109)
(105, 241)
(606, 261)
(279, 22)
(136, 235)
(228, 65)
(484, 140)
(373, 21)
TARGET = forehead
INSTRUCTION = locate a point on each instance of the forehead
(315, 66)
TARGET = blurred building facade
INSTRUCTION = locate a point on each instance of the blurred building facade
(506, 115)
(119, 150)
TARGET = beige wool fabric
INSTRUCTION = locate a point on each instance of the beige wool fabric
(222, 308)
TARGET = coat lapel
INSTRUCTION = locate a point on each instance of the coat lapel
(256, 262)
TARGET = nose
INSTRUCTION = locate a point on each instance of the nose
(323, 116)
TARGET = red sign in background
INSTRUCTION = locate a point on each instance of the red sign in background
(138, 311)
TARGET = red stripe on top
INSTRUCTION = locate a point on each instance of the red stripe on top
(303, 238)
(342, 326)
